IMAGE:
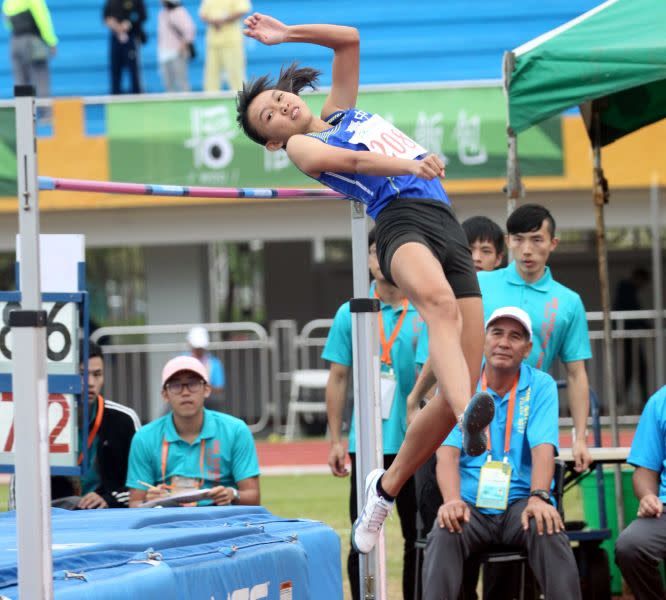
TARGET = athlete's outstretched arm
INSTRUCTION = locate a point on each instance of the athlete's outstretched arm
(344, 41)
(313, 157)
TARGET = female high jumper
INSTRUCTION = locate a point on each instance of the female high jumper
(420, 244)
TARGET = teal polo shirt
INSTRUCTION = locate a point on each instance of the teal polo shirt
(535, 422)
(91, 480)
(338, 349)
(229, 454)
(648, 449)
(559, 326)
(422, 347)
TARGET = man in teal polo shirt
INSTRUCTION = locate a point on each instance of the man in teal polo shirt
(557, 313)
(503, 496)
(192, 448)
(400, 325)
(641, 547)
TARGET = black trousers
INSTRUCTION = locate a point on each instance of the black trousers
(406, 506)
(549, 556)
(638, 551)
(125, 57)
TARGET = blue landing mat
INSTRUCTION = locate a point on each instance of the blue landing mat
(202, 553)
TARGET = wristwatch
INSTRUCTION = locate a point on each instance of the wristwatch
(543, 494)
(236, 494)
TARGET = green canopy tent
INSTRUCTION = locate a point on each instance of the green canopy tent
(610, 61)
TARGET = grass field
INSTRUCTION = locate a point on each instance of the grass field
(325, 498)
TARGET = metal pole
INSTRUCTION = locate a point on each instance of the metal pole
(599, 195)
(29, 381)
(369, 450)
(514, 185)
(657, 289)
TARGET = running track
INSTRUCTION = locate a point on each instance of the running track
(311, 456)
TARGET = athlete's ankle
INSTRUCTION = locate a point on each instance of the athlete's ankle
(382, 492)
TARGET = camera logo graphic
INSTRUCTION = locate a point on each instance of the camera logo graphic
(212, 131)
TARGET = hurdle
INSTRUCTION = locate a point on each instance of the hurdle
(365, 340)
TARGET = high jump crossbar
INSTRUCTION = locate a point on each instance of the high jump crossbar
(365, 332)
(151, 189)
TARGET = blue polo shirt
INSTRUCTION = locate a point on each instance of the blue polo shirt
(648, 448)
(559, 326)
(338, 349)
(422, 347)
(229, 454)
(216, 375)
(534, 422)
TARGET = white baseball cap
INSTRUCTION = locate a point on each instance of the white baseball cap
(198, 337)
(512, 312)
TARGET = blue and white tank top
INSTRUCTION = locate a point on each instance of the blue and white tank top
(355, 129)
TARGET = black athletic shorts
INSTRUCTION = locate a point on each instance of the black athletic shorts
(433, 224)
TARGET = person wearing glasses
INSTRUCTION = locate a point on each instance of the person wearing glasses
(192, 448)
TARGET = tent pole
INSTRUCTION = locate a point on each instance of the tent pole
(657, 281)
(600, 197)
(514, 185)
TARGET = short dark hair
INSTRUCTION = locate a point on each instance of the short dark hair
(292, 79)
(93, 350)
(483, 229)
(529, 217)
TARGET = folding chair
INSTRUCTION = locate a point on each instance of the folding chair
(309, 379)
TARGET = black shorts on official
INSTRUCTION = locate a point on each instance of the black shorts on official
(433, 224)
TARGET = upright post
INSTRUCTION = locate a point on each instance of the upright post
(29, 379)
(600, 197)
(657, 275)
(369, 450)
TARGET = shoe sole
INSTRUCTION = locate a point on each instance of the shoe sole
(358, 520)
(478, 416)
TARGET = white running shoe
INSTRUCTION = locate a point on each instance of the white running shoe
(367, 526)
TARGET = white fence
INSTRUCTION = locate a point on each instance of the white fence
(259, 364)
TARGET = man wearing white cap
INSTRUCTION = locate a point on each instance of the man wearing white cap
(192, 448)
(503, 496)
(198, 341)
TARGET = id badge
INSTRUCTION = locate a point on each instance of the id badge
(388, 383)
(181, 484)
(494, 485)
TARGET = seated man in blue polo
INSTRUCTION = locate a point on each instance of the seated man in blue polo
(642, 545)
(191, 447)
(503, 496)
(557, 312)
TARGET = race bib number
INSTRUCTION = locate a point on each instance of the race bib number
(62, 430)
(494, 485)
(378, 135)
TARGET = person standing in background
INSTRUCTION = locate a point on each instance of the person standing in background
(33, 42)
(198, 340)
(225, 53)
(175, 32)
(125, 19)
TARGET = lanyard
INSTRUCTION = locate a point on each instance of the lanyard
(386, 346)
(165, 454)
(96, 425)
(509, 412)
